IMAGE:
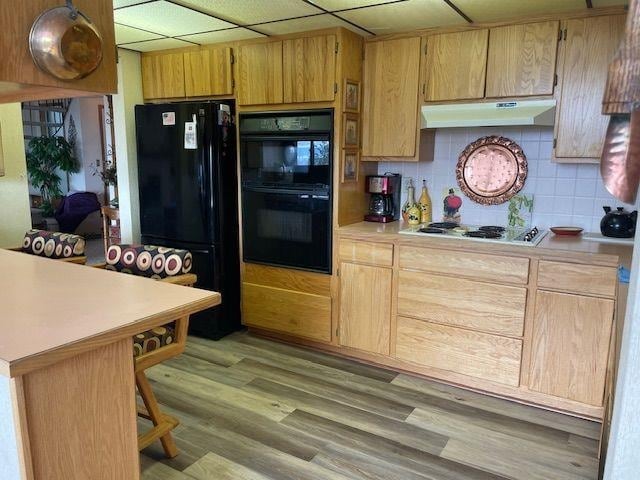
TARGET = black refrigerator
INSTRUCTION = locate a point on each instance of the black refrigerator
(187, 175)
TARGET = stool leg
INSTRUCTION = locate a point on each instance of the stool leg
(150, 402)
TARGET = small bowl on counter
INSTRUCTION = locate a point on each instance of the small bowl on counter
(567, 231)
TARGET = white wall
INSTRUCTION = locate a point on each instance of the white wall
(9, 459)
(15, 215)
(564, 194)
(88, 147)
(129, 95)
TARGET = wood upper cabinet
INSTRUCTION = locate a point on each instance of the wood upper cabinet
(522, 59)
(365, 307)
(163, 75)
(309, 69)
(208, 72)
(390, 98)
(571, 335)
(588, 45)
(260, 74)
(455, 66)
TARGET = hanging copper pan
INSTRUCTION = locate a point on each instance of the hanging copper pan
(65, 44)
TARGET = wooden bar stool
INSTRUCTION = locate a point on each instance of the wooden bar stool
(158, 344)
(65, 247)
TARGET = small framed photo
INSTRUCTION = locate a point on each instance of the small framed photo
(351, 96)
(350, 165)
(351, 130)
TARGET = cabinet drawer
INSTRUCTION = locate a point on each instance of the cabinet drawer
(366, 252)
(569, 277)
(466, 303)
(295, 313)
(475, 265)
(479, 355)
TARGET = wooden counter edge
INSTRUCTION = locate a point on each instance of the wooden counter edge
(48, 357)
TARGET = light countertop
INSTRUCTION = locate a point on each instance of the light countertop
(49, 308)
(552, 246)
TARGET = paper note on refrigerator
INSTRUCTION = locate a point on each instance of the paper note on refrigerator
(190, 135)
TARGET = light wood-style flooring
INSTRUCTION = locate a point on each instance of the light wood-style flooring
(253, 409)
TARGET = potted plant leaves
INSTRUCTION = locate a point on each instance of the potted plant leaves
(47, 158)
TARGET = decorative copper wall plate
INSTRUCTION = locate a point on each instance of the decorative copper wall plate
(491, 170)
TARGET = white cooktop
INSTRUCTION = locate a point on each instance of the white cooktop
(511, 235)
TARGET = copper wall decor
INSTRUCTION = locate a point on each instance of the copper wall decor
(491, 170)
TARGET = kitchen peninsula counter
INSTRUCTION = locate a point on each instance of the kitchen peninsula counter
(67, 389)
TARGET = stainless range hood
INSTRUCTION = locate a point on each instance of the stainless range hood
(527, 112)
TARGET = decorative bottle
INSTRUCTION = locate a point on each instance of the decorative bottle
(425, 205)
(409, 202)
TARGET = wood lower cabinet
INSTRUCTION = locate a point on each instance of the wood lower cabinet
(365, 307)
(575, 278)
(309, 69)
(287, 311)
(466, 303)
(461, 351)
(588, 45)
(163, 75)
(260, 74)
(208, 72)
(570, 346)
(390, 98)
(455, 67)
(522, 59)
(470, 264)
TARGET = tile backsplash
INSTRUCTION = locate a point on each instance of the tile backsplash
(563, 194)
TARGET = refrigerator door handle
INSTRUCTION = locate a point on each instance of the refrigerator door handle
(202, 174)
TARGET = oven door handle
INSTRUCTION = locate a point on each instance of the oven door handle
(319, 194)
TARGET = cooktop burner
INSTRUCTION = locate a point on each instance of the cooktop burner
(445, 225)
(483, 234)
(491, 228)
(431, 229)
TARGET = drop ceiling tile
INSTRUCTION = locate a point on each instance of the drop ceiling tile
(126, 34)
(168, 19)
(490, 10)
(405, 16)
(333, 5)
(302, 24)
(161, 44)
(231, 35)
(248, 12)
(126, 3)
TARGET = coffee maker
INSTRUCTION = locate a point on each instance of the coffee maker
(384, 200)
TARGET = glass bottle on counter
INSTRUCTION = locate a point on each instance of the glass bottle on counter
(409, 202)
(425, 204)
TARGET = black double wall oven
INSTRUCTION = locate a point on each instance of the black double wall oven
(286, 171)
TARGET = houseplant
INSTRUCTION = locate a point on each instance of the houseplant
(47, 157)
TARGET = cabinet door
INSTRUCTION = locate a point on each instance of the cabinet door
(390, 100)
(365, 307)
(570, 347)
(260, 74)
(584, 58)
(522, 59)
(163, 75)
(309, 69)
(208, 72)
(456, 65)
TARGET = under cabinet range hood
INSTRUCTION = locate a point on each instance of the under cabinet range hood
(489, 114)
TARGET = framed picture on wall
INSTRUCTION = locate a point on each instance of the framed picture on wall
(351, 96)
(351, 130)
(349, 165)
